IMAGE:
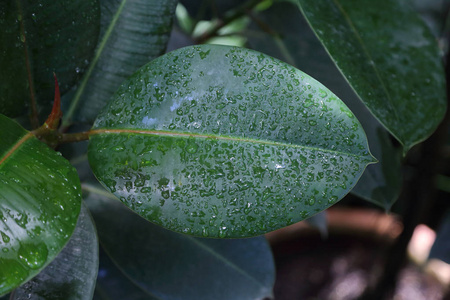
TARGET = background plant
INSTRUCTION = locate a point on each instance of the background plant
(208, 141)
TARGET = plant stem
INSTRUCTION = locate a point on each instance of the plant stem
(236, 14)
(53, 138)
(34, 117)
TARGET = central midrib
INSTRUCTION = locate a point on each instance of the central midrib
(219, 137)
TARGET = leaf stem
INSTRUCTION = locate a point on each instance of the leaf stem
(235, 14)
(76, 99)
(34, 117)
(53, 138)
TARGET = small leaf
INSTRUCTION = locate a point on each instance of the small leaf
(39, 204)
(381, 182)
(226, 142)
(39, 38)
(133, 32)
(389, 57)
(71, 275)
(170, 265)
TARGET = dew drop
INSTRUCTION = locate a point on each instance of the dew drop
(33, 256)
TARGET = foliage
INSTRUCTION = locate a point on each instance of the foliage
(206, 141)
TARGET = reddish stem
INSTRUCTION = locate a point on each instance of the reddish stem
(56, 114)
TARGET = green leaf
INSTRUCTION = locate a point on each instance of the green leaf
(133, 32)
(112, 284)
(434, 13)
(389, 57)
(72, 274)
(152, 257)
(39, 204)
(291, 40)
(39, 38)
(226, 142)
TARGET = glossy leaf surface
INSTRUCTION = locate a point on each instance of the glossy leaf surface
(39, 38)
(112, 284)
(170, 265)
(389, 57)
(226, 142)
(72, 274)
(292, 41)
(133, 33)
(39, 204)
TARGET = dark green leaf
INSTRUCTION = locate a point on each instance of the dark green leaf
(71, 275)
(170, 265)
(39, 38)
(390, 58)
(112, 284)
(291, 40)
(433, 12)
(39, 204)
(133, 33)
(226, 142)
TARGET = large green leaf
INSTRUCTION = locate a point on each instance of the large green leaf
(39, 38)
(226, 142)
(169, 265)
(291, 40)
(389, 57)
(72, 274)
(39, 204)
(133, 32)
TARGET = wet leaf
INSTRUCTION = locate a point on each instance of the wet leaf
(133, 33)
(39, 38)
(389, 57)
(169, 265)
(381, 182)
(39, 204)
(226, 142)
(72, 274)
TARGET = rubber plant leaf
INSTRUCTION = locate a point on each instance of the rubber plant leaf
(39, 38)
(151, 257)
(132, 33)
(39, 204)
(72, 274)
(221, 141)
(381, 182)
(389, 57)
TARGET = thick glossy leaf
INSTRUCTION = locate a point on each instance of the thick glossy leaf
(389, 57)
(72, 274)
(133, 33)
(39, 204)
(291, 40)
(170, 265)
(112, 284)
(39, 38)
(226, 142)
